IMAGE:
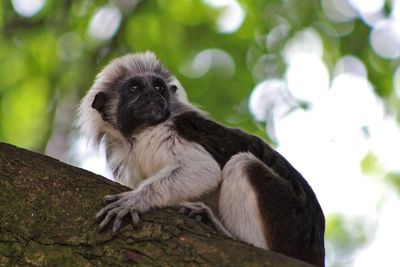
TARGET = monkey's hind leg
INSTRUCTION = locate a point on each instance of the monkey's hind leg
(262, 208)
(238, 203)
(202, 212)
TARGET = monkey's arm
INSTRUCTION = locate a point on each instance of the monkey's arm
(188, 177)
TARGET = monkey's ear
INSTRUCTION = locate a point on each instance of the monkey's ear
(99, 101)
(173, 88)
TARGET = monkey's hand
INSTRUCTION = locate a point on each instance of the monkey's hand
(121, 205)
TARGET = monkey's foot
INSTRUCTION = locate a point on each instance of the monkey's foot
(203, 213)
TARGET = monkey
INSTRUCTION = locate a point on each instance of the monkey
(170, 153)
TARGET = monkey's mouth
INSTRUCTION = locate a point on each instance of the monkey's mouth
(156, 117)
(135, 118)
(151, 112)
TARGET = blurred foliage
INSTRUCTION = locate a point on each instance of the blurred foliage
(371, 166)
(49, 59)
(48, 56)
(394, 179)
(344, 237)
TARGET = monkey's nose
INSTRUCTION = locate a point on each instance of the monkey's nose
(151, 94)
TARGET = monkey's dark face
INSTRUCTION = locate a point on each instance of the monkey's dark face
(142, 101)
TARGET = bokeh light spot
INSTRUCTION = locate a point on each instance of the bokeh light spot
(231, 17)
(105, 23)
(216, 59)
(396, 81)
(385, 39)
(350, 64)
(307, 41)
(267, 97)
(338, 10)
(276, 35)
(368, 6)
(307, 77)
(28, 8)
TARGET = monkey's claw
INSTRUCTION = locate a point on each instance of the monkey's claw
(120, 208)
(110, 198)
(194, 210)
(204, 214)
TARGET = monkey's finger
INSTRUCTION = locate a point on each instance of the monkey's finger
(118, 220)
(111, 198)
(135, 216)
(109, 216)
(104, 210)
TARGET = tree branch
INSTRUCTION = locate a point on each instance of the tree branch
(47, 211)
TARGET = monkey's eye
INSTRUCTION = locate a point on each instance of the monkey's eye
(133, 88)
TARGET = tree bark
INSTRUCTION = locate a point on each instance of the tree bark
(47, 211)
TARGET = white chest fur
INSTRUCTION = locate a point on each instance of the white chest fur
(151, 150)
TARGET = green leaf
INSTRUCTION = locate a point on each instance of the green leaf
(371, 166)
(393, 179)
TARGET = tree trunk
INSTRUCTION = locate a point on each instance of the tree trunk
(47, 213)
